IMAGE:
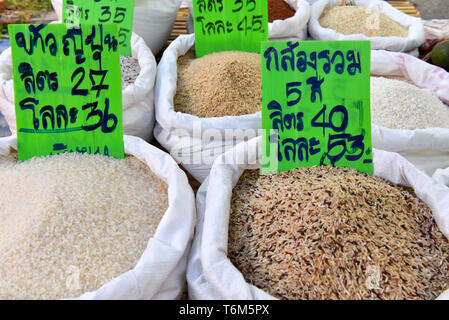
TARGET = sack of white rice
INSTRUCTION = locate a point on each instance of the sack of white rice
(138, 76)
(320, 232)
(153, 20)
(92, 227)
(387, 27)
(293, 27)
(205, 106)
(409, 109)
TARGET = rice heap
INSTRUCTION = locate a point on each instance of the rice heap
(356, 20)
(400, 105)
(335, 233)
(218, 84)
(279, 10)
(70, 223)
(130, 70)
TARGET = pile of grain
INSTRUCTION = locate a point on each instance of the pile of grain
(356, 20)
(279, 10)
(70, 223)
(334, 233)
(218, 84)
(130, 70)
(401, 105)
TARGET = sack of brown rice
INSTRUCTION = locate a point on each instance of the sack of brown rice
(226, 88)
(92, 227)
(410, 109)
(320, 232)
(138, 76)
(387, 27)
(291, 28)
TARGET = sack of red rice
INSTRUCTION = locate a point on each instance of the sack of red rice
(319, 232)
(205, 106)
(138, 76)
(410, 109)
(93, 227)
(289, 22)
(387, 27)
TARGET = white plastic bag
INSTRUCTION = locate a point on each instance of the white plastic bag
(137, 98)
(293, 28)
(160, 271)
(153, 20)
(428, 149)
(412, 42)
(193, 141)
(211, 275)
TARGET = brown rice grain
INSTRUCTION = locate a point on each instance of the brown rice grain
(335, 233)
(218, 84)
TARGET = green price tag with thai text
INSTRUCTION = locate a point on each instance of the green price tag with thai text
(228, 25)
(316, 105)
(67, 89)
(120, 12)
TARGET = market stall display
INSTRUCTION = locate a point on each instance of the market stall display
(428, 140)
(100, 228)
(137, 95)
(93, 227)
(371, 20)
(256, 243)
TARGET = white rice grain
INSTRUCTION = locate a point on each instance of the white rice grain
(400, 105)
(70, 223)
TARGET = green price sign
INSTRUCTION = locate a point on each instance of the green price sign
(227, 25)
(120, 12)
(316, 105)
(67, 89)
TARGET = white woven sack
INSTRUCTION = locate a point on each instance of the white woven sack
(186, 136)
(428, 149)
(415, 26)
(160, 271)
(211, 275)
(153, 20)
(293, 28)
(137, 98)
